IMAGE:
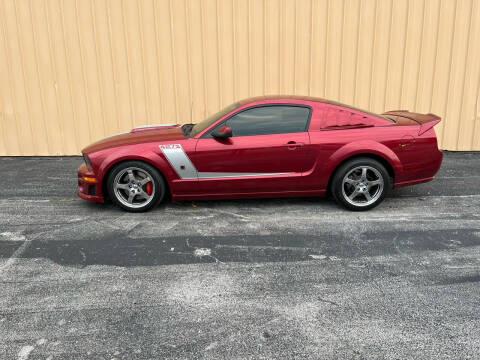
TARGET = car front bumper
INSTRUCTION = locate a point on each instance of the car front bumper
(89, 187)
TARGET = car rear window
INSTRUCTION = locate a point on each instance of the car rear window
(341, 118)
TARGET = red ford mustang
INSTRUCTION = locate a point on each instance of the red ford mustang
(265, 147)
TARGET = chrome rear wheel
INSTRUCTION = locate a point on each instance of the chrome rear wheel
(362, 186)
(360, 183)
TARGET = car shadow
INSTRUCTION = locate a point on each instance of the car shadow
(248, 203)
(326, 202)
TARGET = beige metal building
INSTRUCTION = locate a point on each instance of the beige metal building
(73, 71)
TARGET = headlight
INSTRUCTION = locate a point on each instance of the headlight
(87, 161)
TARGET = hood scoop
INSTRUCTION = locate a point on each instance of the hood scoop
(153, 127)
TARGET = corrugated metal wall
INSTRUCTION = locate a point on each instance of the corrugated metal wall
(73, 71)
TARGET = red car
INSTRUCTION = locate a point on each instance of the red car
(265, 147)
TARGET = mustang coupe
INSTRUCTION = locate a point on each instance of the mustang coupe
(265, 147)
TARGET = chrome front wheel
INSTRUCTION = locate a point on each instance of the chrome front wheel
(135, 186)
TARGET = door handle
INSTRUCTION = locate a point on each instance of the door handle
(292, 145)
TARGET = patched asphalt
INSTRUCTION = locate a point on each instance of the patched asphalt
(238, 279)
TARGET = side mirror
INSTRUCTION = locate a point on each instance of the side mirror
(222, 132)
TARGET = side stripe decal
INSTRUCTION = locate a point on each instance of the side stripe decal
(209, 175)
(179, 161)
(185, 169)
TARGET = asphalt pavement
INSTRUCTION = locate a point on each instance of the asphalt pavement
(292, 278)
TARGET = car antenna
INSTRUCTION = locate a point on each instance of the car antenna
(191, 112)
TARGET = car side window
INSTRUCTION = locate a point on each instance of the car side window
(271, 119)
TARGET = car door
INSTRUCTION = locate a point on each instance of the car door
(266, 152)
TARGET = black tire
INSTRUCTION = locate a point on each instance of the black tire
(119, 196)
(358, 188)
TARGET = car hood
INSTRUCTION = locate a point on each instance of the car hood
(138, 135)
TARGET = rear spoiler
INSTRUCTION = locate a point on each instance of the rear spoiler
(426, 121)
(428, 125)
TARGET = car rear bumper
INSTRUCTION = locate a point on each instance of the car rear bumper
(423, 173)
(89, 187)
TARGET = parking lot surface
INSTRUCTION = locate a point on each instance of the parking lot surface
(238, 279)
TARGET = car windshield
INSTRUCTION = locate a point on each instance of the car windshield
(198, 128)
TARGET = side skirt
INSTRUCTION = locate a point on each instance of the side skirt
(412, 182)
(306, 193)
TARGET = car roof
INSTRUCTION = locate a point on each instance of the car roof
(308, 98)
(281, 97)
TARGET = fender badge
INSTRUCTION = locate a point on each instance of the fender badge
(170, 146)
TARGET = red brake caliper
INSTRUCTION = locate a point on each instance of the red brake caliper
(149, 188)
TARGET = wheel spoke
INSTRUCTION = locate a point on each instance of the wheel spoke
(367, 195)
(131, 196)
(373, 183)
(364, 174)
(146, 180)
(350, 181)
(144, 195)
(121, 186)
(353, 195)
(131, 177)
